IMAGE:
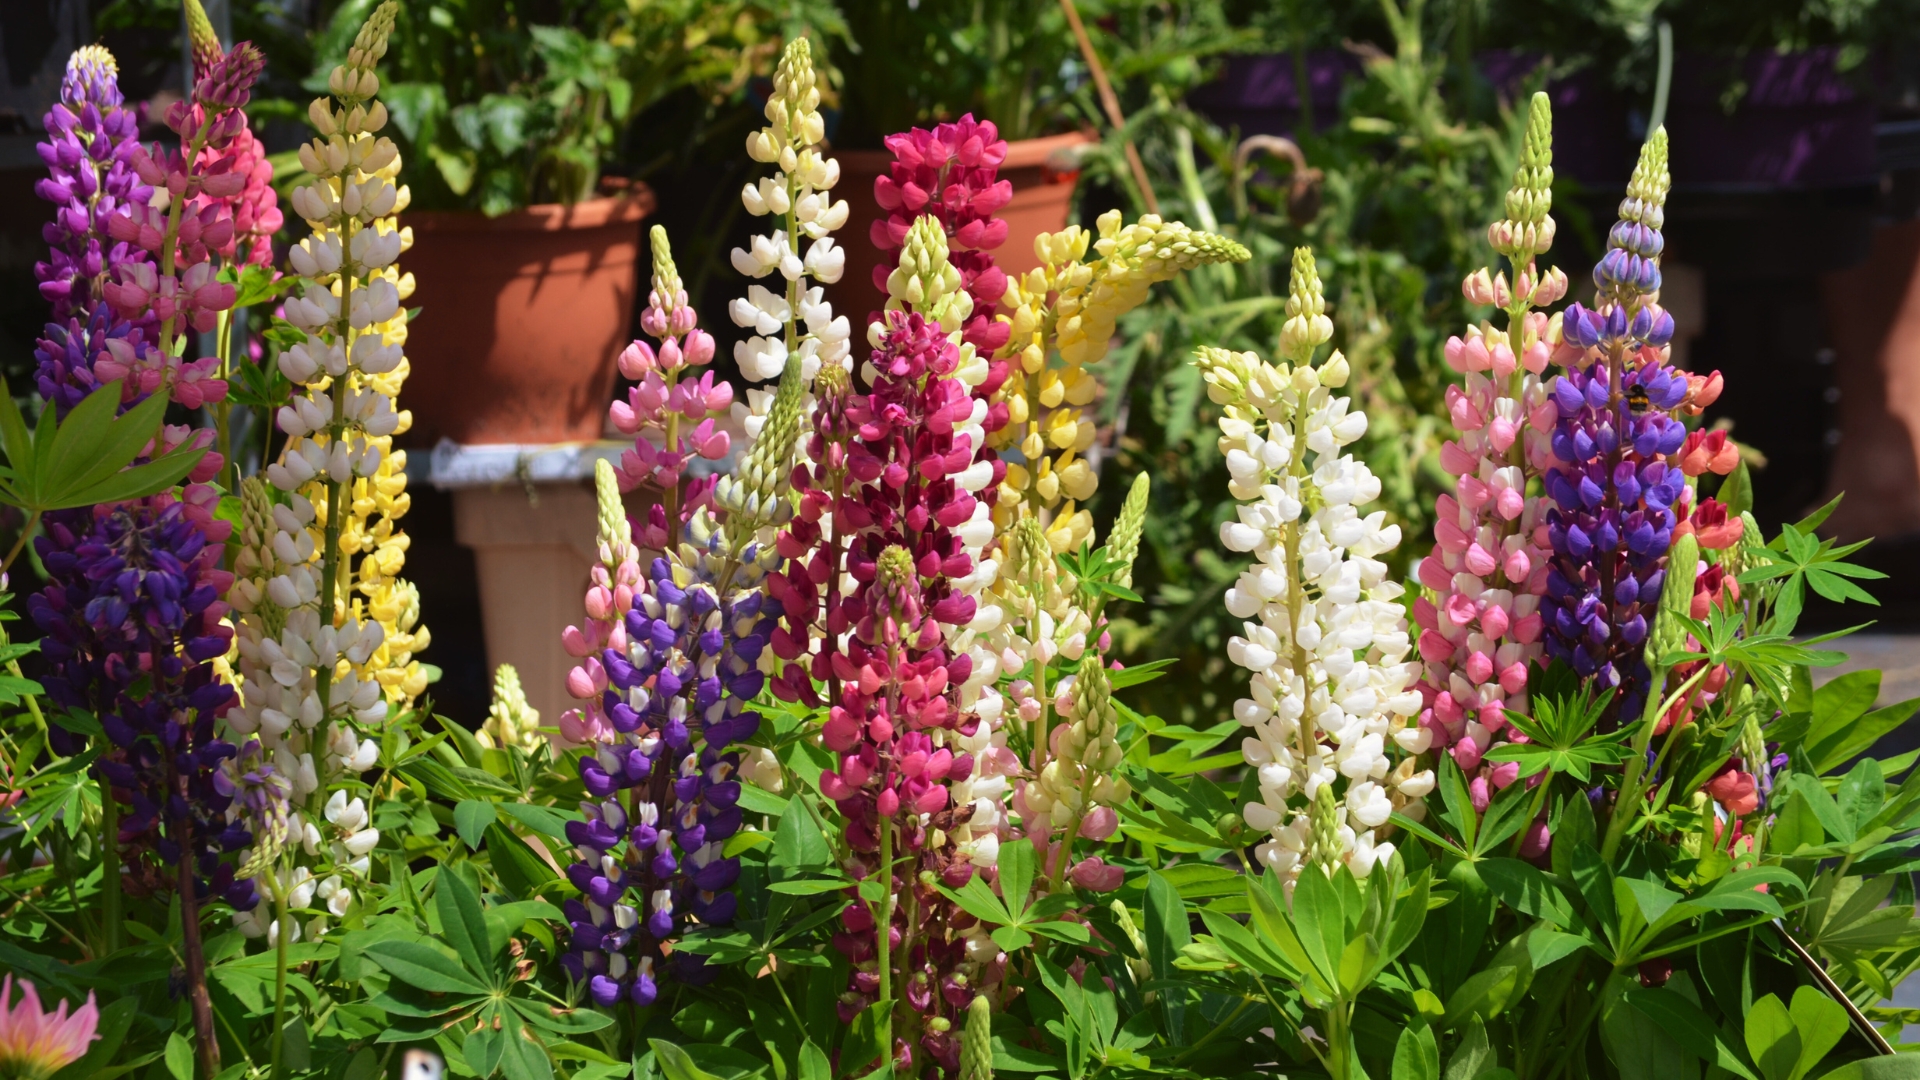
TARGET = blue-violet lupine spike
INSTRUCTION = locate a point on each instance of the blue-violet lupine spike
(652, 850)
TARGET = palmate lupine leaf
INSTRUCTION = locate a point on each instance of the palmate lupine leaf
(1799, 560)
(1562, 739)
(82, 460)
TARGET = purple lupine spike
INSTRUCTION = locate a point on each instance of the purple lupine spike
(117, 644)
(91, 139)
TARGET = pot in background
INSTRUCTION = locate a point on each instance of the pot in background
(521, 319)
(1043, 172)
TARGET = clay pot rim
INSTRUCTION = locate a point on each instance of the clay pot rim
(1021, 153)
(636, 205)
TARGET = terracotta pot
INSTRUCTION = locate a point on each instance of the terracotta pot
(1042, 197)
(521, 319)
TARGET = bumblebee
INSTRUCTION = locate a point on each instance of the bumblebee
(1637, 402)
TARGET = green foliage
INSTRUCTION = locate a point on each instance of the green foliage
(84, 459)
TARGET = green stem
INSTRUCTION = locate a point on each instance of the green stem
(1073, 829)
(1539, 800)
(283, 935)
(882, 934)
(1577, 1034)
(223, 410)
(110, 866)
(20, 542)
(1629, 794)
(78, 941)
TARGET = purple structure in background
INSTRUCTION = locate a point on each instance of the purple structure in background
(1801, 123)
(1260, 94)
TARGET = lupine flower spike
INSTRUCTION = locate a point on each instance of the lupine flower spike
(793, 321)
(1070, 305)
(1333, 701)
(1619, 479)
(883, 607)
(321, 668)
(673, 402)
(510, 720)
(35, 1044)
(1480, 622)
(670, 660)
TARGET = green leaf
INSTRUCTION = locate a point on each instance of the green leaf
(1772, 1041)
(1897, 1067)
(1852, 739)
(545, 820)
(179, 1054)
(484, 1048)
(797, 841)
(1736, 491)
(463, 922)
(520, 869)
(1472, 1052)
(1525, 889)
(814, 1064)
(1820, 1022)
(425, 967)
(1417, 1055)
(1016, 875)
(1014, 1058)
(1640, 1047)
(862, 1045)
(525, 1056)
(1690, 1027)
(675, 1063)
(1320, 923)
(471, 818)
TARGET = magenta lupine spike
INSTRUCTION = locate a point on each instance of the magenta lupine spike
(209, 175)
(950, 173)
(914, 715)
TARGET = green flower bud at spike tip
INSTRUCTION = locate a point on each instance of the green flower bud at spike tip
(666, 276)
(976, 1043)
(755, 496)
(511, 721)
(1123, 544)
(1647, 188)
(204, 42)
(926, 280)
(1527, 228)
(610, 511)
(1676, 602)
(1325, 822)
(1307, 326)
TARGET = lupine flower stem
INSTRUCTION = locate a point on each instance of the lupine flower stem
(206, 1047)
(883, 939)
(283, 938)
(110, 903)
(20, 545)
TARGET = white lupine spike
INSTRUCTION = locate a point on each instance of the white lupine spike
(1325, 638)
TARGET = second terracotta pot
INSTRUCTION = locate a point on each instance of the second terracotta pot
(522, 317)
(1043, 172)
